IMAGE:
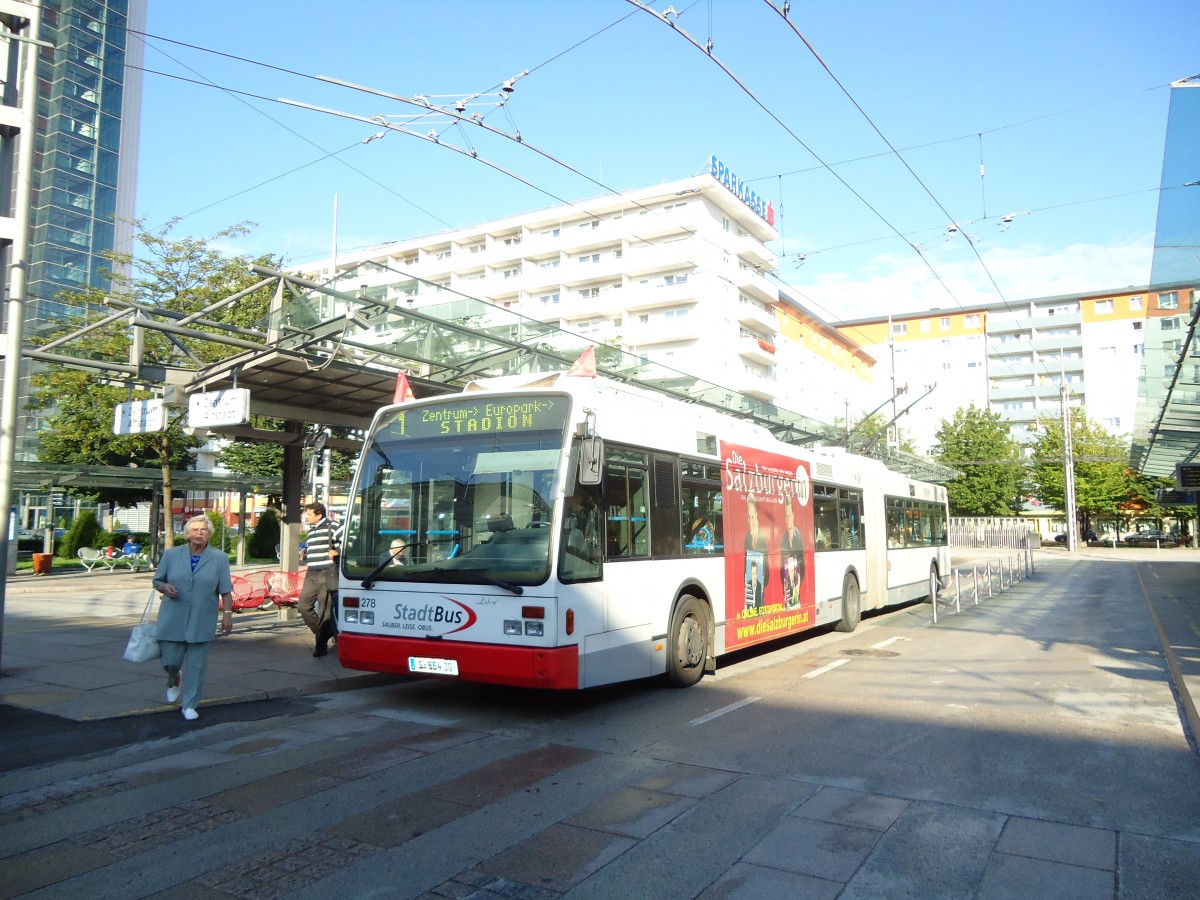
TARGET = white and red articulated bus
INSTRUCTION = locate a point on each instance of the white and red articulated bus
(565, 532)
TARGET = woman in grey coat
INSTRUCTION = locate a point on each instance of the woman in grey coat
(195, 582)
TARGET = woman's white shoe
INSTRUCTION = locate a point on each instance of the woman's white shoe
(173, 693)
(191, 715)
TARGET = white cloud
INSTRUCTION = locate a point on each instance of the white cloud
(898, 283)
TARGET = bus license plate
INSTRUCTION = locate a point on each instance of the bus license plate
(428, 666)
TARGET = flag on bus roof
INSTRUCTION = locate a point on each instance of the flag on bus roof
(585, 366)
(403, 390)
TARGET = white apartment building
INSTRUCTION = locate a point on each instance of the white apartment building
(1013, 357)
(675, 274)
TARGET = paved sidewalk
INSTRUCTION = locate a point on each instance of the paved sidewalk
(65, 633)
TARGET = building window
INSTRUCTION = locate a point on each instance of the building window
(547, 299)
(925, 325)
(681, 278)
(511, 273)
(552, 232)
(549, 263)
(1104, 306)
(1137, 326)
(594, 223)
(971, 321)
(1169, 300)
(1135, 302)
(1170, 324)
(589, 293)
(899, 328)
(944, 323)
(588, 258)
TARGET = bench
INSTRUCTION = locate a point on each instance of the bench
(135, 561)
(91, 557)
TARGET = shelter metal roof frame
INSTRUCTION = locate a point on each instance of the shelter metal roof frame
(331, 357)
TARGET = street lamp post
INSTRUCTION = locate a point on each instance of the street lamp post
(1068, 468)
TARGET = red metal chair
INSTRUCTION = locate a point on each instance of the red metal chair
(250, 591)
(284, 587)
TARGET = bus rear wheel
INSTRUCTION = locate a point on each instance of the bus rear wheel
(935, 583)
(851, 604)
(688, 646)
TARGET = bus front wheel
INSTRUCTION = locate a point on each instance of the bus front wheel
(851, 604)
(689, 643)
(935, 583)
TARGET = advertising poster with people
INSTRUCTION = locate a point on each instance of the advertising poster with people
(767, 502)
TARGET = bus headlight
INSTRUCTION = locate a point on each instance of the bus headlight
(534, 629)
(350, 616)
(512, 627)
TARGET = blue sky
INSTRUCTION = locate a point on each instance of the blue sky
(1065, 103)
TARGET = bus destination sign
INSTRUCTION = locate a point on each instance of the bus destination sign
(468, 417)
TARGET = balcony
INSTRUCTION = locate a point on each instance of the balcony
(754, 284)
(754, 316)
(650, 260)
(1058, 342)
(651, 296)
(761, 386)
(756, 350)
(640, 335)
(755, 252)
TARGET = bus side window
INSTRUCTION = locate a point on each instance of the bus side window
(581, 548)
(628, 528)
(851, 521)
(825, 519)
(700, 516)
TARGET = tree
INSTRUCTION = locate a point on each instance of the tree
(976, 442)
(869, 432)
(1102, 481)
(181, 275)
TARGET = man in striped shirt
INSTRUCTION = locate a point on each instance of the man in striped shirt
(321, 557)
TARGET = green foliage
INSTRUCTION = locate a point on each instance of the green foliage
(265, 536)
(976, 442)
(85, 531)
(219, 538)
(868, 432)
(1102, 478)
(184, 275)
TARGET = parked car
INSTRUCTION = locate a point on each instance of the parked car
(1088, 535)
(1151, 539)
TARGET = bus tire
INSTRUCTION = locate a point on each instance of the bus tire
(935, 582)
(688, 648)
(851, 604)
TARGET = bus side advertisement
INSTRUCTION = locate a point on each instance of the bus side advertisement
(768, 520)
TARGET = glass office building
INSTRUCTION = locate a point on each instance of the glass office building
(85, 161)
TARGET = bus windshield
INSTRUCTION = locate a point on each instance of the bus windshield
(458, 492)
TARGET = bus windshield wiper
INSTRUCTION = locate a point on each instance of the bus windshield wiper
(486, 579)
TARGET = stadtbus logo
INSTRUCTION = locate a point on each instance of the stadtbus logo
(428, 615)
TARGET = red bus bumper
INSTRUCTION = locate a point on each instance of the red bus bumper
(555, 668)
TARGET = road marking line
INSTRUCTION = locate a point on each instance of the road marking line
(720, 712)
(829, 668)
(890, 640)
